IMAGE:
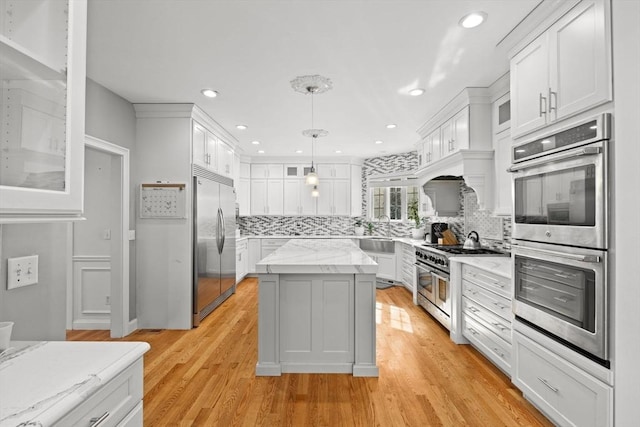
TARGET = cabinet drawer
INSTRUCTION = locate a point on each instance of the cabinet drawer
(493, 302)
(241, 245)
(113, 401)
(487, 280)
(494, 348)
(567, 394)
(495, 324)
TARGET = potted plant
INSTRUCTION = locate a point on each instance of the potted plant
(359, 228)
(370, 228)
(412, 213)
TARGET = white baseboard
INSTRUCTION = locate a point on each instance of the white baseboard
(99, 325)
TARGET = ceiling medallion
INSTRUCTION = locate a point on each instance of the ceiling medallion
(314, 84)
(315, 133)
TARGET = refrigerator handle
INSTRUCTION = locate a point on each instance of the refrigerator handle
(223, 237)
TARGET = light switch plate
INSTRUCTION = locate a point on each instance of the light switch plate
(22, 271)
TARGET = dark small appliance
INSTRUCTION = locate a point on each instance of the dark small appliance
(436, 230)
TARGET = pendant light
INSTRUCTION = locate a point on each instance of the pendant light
(311, 85)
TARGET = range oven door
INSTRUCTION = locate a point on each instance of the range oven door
(433, 285)
(563, 292)
(561, 198)
(425, 283)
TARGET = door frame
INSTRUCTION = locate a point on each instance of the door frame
(120, 323)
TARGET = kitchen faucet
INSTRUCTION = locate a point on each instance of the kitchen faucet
(388, 223)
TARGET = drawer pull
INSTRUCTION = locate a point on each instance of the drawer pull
(473, 309)
(530, 288)
(561, 299)
(549, 386)
(499, 325)
(498, 352)
(96, 421)
(473, 331)
(500, 306)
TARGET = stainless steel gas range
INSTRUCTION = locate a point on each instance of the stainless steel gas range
(432, 269)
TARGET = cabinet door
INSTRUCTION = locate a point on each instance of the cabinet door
(529, 87)
(244, 196)
(199, 143)
(386, 266)
(258, 197)
(225, 159)
(325, 200)
(255, 253)
(460, 131)
(342, 171)
(275, 171)
(434, 146)
(307, 202)
(292, 197)
(212, 155)
(502, 160)
(341, 197)
(579, 60)
(446, 137)
(275, 201)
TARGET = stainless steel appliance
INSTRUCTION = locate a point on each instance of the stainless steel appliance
(432, 267)
(561, 186)
(562, 291)
(214, 245)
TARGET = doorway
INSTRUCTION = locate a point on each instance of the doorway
(99, 291)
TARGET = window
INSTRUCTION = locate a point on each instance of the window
(392, 202)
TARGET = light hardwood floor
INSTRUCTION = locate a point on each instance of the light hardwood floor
(205, 376)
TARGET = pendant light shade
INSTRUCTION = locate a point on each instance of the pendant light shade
(312, 177)
(315, 192)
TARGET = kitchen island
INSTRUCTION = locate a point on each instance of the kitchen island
(316, 312)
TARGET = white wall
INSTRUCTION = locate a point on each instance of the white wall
(112, 118)
(626, 252)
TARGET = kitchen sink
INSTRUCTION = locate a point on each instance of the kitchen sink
(377, 244)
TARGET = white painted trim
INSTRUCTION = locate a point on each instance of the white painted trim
(119, 294)
(91, 324)
(91, 258)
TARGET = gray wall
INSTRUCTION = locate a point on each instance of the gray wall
(112, 118)
(39, 311)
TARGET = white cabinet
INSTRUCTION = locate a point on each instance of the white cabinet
(42, 103)
(431, 148)
(454, 133)
(243, 195)
(270, 245)
(330, 170)
(242, 259)
(568, 395)
(564, 71)
(266, 196)
(502, 143)
(255, 252)
(386, 265)
(297, 198)
(204, 145)
(270, 171)
(335, 197)
(225, 159)
(406, 272)
(486, 314)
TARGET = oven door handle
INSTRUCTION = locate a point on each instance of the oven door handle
(581, 258)
(585, 151)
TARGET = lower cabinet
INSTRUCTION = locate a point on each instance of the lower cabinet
(119, 402)
(242, 259)
(406, 272)
(386, 265)
(255, 252)
(486, 315)
(568, 395)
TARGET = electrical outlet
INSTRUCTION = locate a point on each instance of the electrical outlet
(22, 271)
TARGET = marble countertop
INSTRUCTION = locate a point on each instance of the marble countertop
(41, 382)
(500, 265)
(406, 240)
(300, 255)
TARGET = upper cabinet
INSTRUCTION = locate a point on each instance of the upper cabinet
(42, 73)
(564, 71)
(454, 133)
(211, 152)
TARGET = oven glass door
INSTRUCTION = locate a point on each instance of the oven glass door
(426, 285)
(562, 201)
(443, 300)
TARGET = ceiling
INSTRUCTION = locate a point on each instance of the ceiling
(249, 51)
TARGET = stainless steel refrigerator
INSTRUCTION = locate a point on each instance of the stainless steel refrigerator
(214, 243)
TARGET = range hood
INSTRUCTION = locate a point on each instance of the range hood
(476, 167)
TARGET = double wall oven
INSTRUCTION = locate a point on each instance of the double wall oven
(560, 235)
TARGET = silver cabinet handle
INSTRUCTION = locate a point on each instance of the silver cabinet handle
(498, 352)
(499, 325)
(96, 421)
(561, 299)
(473, 331)
(530, 288)
(542, 110)
(500, 306)
(553, 106)
(552, 388)
(473, 309)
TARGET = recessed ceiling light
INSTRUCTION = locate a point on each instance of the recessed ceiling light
(392, 126)
(209, 93)
(260, 151)
(255, 142)
(378, 142)
(298, 151)
(241, 127)
(416, 92)
(473, 19)
(338, 151)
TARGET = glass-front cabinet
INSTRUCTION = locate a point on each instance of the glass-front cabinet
(42, 77)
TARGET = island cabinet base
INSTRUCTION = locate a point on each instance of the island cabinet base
(317, 323)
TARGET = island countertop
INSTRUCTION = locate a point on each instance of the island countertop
(318, 256)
